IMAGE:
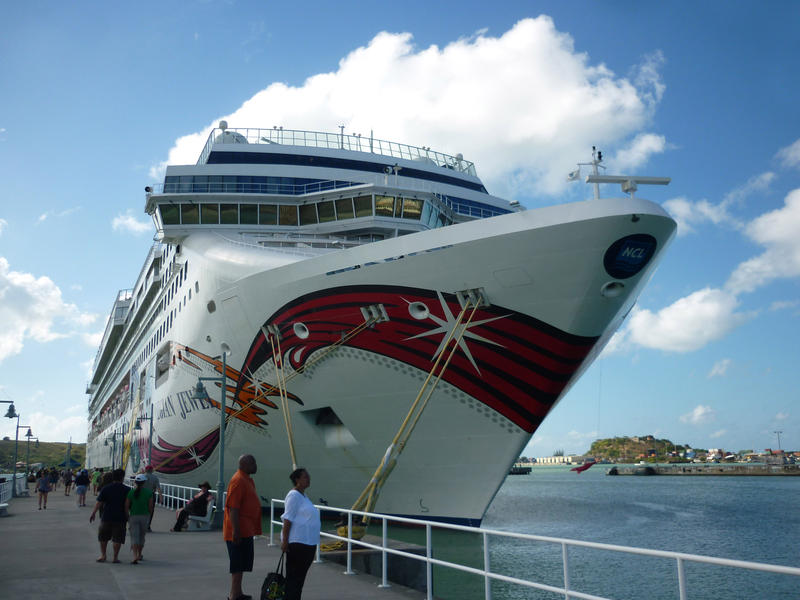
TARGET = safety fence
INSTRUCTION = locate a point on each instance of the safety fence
(566, 590)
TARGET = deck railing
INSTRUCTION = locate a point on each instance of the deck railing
(336, 141)
(566, 590)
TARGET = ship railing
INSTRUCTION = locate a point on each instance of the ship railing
(566, 589)
(176, 496)
(336, 141)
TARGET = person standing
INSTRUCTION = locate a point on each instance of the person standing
(154, 486)
(138, 506)
(67, 481)
(43, 488)
(98, 473)
(81, 486)
(300, 533)
(111, 504)
(241, 523)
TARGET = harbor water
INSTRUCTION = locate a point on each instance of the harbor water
(745, 518)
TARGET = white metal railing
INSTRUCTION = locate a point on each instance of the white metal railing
(5, 489)
(680, 558)
(22, 486)
(336, 141)
(176, 496)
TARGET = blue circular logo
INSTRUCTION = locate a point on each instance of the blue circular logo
(629, 255)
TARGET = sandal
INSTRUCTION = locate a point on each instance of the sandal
(101, 559)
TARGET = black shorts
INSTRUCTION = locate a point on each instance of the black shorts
(111, 530)
(241, 555)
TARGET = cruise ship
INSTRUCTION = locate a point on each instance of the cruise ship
(364, 309)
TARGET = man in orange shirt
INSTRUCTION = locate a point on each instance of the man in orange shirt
(242, 522)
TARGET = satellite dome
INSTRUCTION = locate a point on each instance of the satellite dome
(230, 137)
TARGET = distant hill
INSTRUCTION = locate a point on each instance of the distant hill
(632, 449)
(49, 453)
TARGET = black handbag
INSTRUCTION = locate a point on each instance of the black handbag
(274, 585)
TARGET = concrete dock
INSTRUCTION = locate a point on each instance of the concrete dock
(46, 554)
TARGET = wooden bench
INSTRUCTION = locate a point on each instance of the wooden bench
(201, 523)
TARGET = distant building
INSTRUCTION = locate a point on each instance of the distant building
(559, 460)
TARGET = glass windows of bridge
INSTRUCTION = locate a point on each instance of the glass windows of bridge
(229, 214)
(190, 214)
(308, 214)
(209, 214)
(268, 214)
(170, 214)
(384, 206)
(326, 211)
(412, 208)
(344, 209)
(288, 214)
(363, 206)
(248, 214)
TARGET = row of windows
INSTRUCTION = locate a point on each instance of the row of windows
(208, 213)
(249, 184)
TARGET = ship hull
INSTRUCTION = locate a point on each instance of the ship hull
(551, 295)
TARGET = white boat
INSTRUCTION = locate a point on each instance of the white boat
(347, 261)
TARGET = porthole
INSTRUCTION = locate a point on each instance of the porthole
(300, 330)
(418, 310)
(212, 306)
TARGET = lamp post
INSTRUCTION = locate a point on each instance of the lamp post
(201, 394)
(113, 446)
(28, 435)
(138, 427)
(13, 414)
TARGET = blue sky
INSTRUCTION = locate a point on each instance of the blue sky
(95, 99)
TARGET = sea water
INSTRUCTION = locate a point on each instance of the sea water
(739, 517)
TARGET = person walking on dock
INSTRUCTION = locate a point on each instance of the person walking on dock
(42, 487)
(242, 522)
(300, 534)
(154, 486)
(111, 504)
(138, 506)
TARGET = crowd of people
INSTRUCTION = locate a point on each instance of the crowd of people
(124, 510)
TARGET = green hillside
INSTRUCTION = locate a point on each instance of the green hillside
(48, 453)
(631, 449)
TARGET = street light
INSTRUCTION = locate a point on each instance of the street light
(138, 427)
(201, 394)
(28, 435)
(113, 446)
(13, 414)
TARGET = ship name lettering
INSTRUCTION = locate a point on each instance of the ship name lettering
(633, 252)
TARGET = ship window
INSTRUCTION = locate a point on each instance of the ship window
(186, 183)
(200, 183)
(384, 206)
(426, 212)
(308, 214)
(209, 213)
(363, 206)
(248, 213)
(169, 214)
(190, 214)
(268, 214)
(229, 214)
(432, 219)
(215, 183)
(344, 208)
(288, 214)
(326, 213)
(412, 208)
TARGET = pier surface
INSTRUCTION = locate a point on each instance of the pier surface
(46, 554)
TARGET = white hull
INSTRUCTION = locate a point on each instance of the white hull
(540, 270)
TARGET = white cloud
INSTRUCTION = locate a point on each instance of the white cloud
(718, 434)
(51, 428)
(32, 308)
(525, 106)
(638, 151)
(777, 232)
(93, 339)
(790, 155)
(687, 324)
(784, 305)
(720, 368)
(129, 223)
(699, 415)
(3, 225)
(60, 214)
(781, 416)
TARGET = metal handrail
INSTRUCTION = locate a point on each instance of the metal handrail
(335, 141)
(681, 558)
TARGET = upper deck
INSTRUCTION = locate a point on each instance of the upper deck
(333, 141)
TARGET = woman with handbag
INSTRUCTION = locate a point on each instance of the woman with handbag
(300, 534)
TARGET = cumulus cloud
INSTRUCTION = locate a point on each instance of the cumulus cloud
(718, 434)
(687, 324)
(638, 151)
(790, 155)
(130, 224)
(3, 225)
(699, 415)
(53, 428)
(781, 416)
(720, 368)
(777, 232)
(784, 305)
(524, 106)
(32, 308)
